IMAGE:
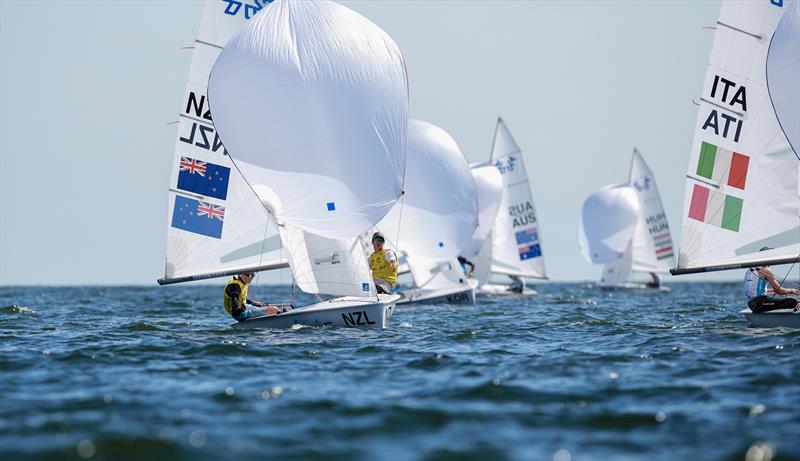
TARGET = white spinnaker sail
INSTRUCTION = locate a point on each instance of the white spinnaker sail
(312, 100)
(517, 239)
(489, 190)
(742, 187)
(607, 223)
(216, 224)
(651, 246)
(483, 262)
(439, 213)
(783, 74)
(323, 265)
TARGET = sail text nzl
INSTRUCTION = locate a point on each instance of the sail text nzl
(731, 94)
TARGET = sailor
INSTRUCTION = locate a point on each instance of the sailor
(655, 281)
(236, 302)
(761, 298)
(383, 263)
(464, 263)
(516, 285)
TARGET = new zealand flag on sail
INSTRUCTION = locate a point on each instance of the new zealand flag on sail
(204, 178)
(202, 218)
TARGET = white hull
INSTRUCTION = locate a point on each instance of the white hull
(788, 318)
(459, 295)
(631, 286)
(494, 289)
(348, 311)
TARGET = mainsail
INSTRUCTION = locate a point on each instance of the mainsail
(311, 99)
(437, 218)
(742, 189)
(216, 224)
(516, 236)
(651, 246)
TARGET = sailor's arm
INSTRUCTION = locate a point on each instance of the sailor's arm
(769, 276)
(390, 258)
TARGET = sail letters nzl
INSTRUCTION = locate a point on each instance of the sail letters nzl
(352, 319)
(732, 95)
(201, 135)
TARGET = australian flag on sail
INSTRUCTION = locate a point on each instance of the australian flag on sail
(526, 236)
(204, 178)
(202, 218)
(529, 252)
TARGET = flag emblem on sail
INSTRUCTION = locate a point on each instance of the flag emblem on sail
(526, 236)
(529, 252)
(719, 164)
(203, 178)
(198, 217)
(715, 208)
(663, 245)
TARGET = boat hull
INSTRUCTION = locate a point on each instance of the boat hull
(788, 318)
(493, 289)
(464, 294)
(632, 286)
(348, 311)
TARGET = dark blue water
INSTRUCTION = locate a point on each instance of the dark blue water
(573, 374)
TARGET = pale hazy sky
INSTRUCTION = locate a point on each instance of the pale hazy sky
(87, 89)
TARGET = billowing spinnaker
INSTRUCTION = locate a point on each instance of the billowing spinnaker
(651, 246)
(489, 189)
(439, 213)
(311, 99)
(742, 184)
(516, 236)
(216, 225)
(323, 265)
(607, 223)
(783, 74)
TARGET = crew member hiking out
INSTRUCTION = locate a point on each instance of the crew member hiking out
(236, 302)
(760, 288)
(383, 263)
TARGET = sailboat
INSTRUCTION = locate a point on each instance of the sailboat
(743, 184)
(321, 147)
(514, 246)
(436, 219)
(650, 249)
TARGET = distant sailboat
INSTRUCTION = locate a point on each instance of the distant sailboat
(650, 250)
(306, 145)
(742, 187)
(436, 219)
(514, 247)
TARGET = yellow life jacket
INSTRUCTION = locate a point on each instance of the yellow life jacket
(232, 305)
(381, 268)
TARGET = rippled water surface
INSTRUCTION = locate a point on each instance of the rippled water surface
(572, 374)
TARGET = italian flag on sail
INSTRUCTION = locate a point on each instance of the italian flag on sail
(725, 168)
(721, 165)
(715, 208)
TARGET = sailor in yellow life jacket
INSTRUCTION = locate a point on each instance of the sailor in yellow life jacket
(383, 263)
(236, 302)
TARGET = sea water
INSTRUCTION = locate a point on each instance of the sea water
(115, 373)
